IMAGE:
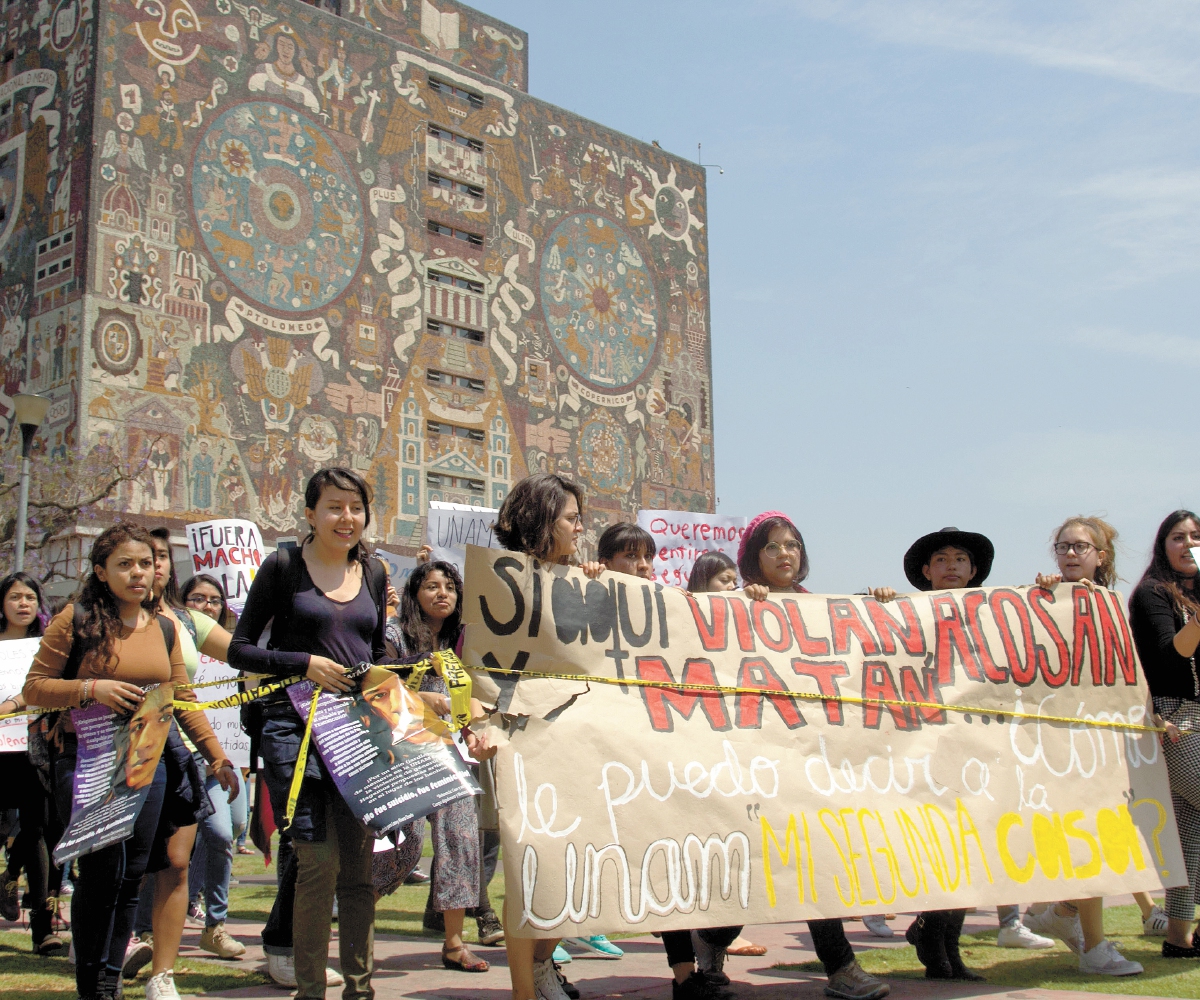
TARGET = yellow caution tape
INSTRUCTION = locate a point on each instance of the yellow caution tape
(301, 761)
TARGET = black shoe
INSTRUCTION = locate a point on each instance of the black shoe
(10, 908)
(926, 934)
(1174, 951)
(697, 987)
(491, 931)
(953, 931)
(569, 989)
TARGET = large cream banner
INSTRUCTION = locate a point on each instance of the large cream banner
(947, 749)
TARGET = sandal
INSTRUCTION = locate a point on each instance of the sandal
(749, 949)
(466, 962)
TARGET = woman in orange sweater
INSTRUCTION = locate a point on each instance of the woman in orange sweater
(119, 648)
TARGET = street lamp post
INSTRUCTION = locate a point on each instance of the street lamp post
(31, 411)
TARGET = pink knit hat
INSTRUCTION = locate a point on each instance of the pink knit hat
(754, 523)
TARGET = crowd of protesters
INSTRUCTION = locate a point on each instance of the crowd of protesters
(320, 608)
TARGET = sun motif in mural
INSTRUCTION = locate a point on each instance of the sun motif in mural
(277, 207)
(599, 301)
(605, 461)
(673, 216)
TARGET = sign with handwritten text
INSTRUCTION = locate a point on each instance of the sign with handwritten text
(451, 527)
(683, 537)
(735, 762)
(229, 549)
(15, 657)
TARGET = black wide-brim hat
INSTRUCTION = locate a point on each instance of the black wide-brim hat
(918, 556)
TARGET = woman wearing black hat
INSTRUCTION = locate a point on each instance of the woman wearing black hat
(945, 560)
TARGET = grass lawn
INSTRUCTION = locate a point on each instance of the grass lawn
(33, 978)
(1054, 969)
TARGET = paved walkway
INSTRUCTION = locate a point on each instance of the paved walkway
(411, 967)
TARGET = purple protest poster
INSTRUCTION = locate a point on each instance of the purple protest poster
(390, 756)
(118, 755)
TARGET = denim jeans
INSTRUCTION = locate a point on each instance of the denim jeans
(212, 861)
(1008, 915)
(106, 893)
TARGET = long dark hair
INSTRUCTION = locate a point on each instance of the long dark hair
(418, 636)
(1161, 575)
(226, 619)
(338, 478)
(170, 595)
(36, 627)
(748, 561)
(102, 615)
(525, 521)
(705, 568)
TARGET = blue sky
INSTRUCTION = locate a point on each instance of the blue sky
(954, 255)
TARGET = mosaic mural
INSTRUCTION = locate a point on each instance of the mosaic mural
(350, 239)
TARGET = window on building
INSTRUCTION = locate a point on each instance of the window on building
(436, 428)
(449, 89)
(460, 140)
(441, 278)
(454, 381)
(458, 187)
(440, 481)
(441, 329)
(459, 234)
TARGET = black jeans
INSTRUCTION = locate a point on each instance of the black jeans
(277, 934)
(40, 830)
(830, 944)
(106, 894)
(679, 943)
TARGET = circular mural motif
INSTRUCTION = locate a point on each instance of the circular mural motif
(116, 343)
(277, 206)
(604, 458)
(599, 301)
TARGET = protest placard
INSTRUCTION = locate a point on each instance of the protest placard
(451, 527)
(226, 722)
(118, 755)
(229, 549)
(15, 657)
(389, 755)
(683, 537)
(827, 756)
(399, 567)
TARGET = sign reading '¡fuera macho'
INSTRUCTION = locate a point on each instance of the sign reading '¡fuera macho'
(927, 765)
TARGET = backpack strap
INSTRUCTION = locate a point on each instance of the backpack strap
(168, 632)
(75, 657)
(289, 567)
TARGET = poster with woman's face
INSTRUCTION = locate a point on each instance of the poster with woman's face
(391, 757)
(117, 759)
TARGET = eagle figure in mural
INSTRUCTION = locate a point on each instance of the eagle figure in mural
(125, 151)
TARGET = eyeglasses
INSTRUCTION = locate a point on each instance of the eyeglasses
(774, 549)
(572, 518)
(200, 601)
(1079, 548)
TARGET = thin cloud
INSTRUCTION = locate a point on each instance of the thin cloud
(1151, 42)
(1163, 347)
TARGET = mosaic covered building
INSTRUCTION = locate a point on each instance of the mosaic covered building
(240, 241)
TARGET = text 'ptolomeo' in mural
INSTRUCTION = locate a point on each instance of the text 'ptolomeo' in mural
(244, 241)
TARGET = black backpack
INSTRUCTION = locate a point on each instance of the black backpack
(289, 568)
(41, 726)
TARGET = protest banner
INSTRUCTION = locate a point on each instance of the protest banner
(399, 567)
(229, 549)
(944, 750)
(683, 537)
(118, 755)
(389, 755)
(15, 658)
(451, 527)
(226, 722)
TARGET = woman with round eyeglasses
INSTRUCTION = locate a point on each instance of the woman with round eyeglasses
(204, 593)
(1085, 550)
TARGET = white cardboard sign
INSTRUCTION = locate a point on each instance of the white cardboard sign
(229, 549)
(683, 537)
(15, 658)
(451, 527)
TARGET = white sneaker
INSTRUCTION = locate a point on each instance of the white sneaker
(878, 926)
(162, 987)
(1155, 925)
(545, 982)
(1048, 923)
(282, 969)
(1103, 960)
(1019, 936)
